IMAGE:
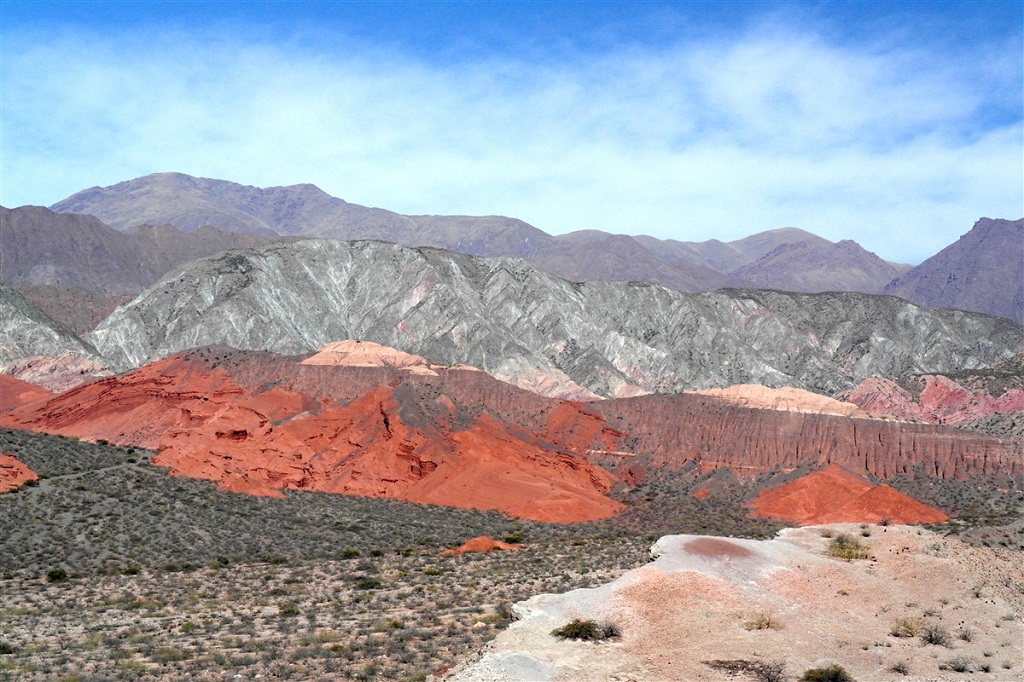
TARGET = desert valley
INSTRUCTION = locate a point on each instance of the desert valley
(268, 434)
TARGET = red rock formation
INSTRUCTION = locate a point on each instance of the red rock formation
(834, 495)
(14, 473)
(260, 423)
(15, 393)
(935, 399)
(404, 441)
(480, 544)
(671, 430)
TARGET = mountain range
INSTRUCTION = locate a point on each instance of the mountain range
(305, 210)
(537, 330)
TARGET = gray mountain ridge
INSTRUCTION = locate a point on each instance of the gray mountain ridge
(26, 331)
(534, 329)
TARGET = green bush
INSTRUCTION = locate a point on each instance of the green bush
(56, 575)
(843, 546)
(833, 673)
(586, 630)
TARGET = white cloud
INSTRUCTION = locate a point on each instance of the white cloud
(711, 139)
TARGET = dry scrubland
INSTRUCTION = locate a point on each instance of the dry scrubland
(169, 578)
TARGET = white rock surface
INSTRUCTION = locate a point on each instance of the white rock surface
(695, 602)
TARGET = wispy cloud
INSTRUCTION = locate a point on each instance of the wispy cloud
(717, 137)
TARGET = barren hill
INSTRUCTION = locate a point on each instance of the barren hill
(73, 251)
(983, 271)
(589, 255)
(814, 266)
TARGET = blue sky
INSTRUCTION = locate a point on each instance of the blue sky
(894, 124)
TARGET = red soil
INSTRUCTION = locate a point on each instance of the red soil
(15, 393)
(834, 495)
(480, 544)
(14, 473)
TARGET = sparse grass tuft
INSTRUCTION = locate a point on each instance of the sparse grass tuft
(763, 621)
(846, 547)
(907, 627)
(832, 673)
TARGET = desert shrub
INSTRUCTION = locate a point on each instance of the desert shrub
(965, 632)
(6, 648)
(288, 609)
(901, 667)
(843, 546)
(586, 630)
(907, 627)
(365, 582)
(960, 664)
(763, 622)
(833, 673)
(56, 575)
(935, 634)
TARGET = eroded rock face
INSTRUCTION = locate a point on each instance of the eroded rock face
(402, 440)
(834, 495)
(673, 430)
(708, 599)
(14, 473)
(934, 399)
(522, 325)
(260, 423)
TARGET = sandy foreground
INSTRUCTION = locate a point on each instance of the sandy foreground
(704, 598)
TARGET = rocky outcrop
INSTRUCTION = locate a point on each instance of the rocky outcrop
(261, 424)
(674, 431)
(14, 473)
(710, 608)
(519, 324)
(834, 495)
(983, 271)
(480, 544)
(946, 399)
